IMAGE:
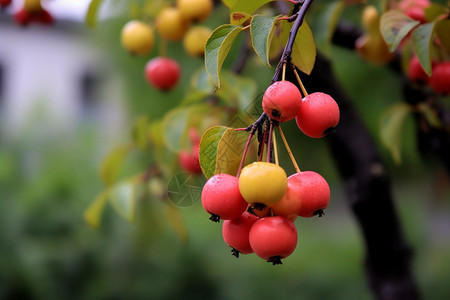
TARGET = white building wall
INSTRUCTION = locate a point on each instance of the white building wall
(42, 71)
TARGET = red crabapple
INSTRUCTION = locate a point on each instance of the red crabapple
(236, 233)
(163, 73)
(415, 9)
(273, 238)
(281, 101)
(314, 193)
(440, 78)
(319, 113)
(4, 3)
(222, 199)
(189, 161)
(22, 17)
(415, 71)
(289, 206)
(32, 11)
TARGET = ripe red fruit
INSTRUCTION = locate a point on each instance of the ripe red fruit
(236, 233)
(289, 206)
(313, 191)
(273, 238)
(22, 17)
(222, 199)
(194, 137)
(318, 114)
(281, 101)
(440, 78)
(189, 161)
(162, 73)
(43, 17)
(5, 3)
(415, 71)
(415, 9)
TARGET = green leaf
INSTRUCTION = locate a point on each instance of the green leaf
(247, 6)
(422, 40)
(435, 10)
(242, 90)
(208, 149)
(217, 48)
(123, 198)
(200, 81)
(239, 18)
(221, 149)
(381, 5)
(156, 133)
(112, 163)
(443, 33)
(279, 39)
(91, 16)
(325, 23)
(93, 213)
(262, 29)
(430, 115)
(395, 26)
(229, 151)
(140, 132)
(177, 122)
(391, 125)
(194, 97)
(229, 3)
(304, 49)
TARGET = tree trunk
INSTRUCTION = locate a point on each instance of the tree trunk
(388, 255)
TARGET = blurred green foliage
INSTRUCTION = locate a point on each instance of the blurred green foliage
(47, 251)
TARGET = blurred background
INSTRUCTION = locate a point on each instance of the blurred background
(69, 94)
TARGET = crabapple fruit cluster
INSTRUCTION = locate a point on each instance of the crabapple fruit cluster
(439, 81)
(259, 207)
(316, 114)
(172, 24)
(371, 46)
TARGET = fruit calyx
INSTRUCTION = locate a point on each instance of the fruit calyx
(215, 218)
(275, 260)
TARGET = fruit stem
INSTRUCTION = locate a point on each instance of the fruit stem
(275, 150)
(262, 144)
(283, 75)
(247, 145)
(294, 162)
(163, 48)
(269, 143)
(305, 93)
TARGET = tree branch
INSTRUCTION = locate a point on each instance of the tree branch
(287, 52)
